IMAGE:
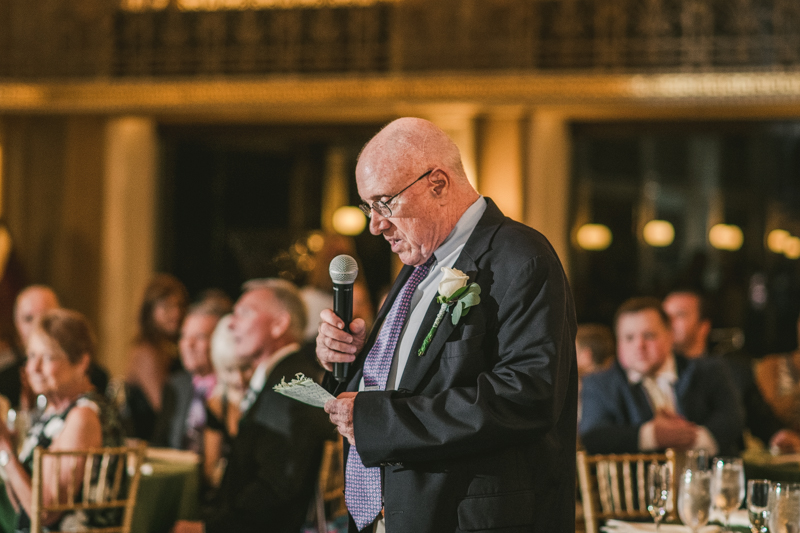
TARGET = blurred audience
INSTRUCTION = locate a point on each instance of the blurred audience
(778, 378)
(182, 419)
(60, 349)
(691, 326)
(31, 304)
(154, 353)
(272, 468)
(233, 377)
(594, 345)
(651, 399)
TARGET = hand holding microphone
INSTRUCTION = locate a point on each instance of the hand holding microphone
(337, 346)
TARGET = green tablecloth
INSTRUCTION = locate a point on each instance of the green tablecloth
(167, 494)
(762, 465)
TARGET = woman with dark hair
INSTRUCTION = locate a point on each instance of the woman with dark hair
(60, 350)
(154, 352)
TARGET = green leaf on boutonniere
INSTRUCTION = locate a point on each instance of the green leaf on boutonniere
(459, 302)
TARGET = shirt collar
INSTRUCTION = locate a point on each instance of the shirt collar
(265, 367)
(462, 230)
(667, 373)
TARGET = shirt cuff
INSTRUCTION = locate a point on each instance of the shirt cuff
(647, 437)
(706, 441)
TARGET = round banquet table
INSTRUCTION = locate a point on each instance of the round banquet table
(168, 491)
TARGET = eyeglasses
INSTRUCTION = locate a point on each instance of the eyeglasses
(381, 207)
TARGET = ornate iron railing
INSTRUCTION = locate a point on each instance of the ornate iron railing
(102, 38)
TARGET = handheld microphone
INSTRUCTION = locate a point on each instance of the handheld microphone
(343, 271)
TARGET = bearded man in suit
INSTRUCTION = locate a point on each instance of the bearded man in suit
(474, 429)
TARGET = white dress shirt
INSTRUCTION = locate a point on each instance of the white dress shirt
(426, 291)
(262, 372)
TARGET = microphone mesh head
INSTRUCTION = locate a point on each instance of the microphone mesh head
(343, 269)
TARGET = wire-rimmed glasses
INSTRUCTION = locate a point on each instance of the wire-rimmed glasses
(381, 207)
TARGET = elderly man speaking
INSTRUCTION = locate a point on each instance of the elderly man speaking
(460, 407)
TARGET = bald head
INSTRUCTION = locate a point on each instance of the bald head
(425, 213)
(31, 304)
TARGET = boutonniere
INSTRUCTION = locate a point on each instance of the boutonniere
(454, 293)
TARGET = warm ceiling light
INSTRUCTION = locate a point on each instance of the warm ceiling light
(792, 248)
(349, 220)
(658, 233)
(594, 237)
(776, 240)
(726, 237)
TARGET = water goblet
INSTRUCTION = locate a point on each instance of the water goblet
(727, 486)
(658, 491)
(784, 508)
(694, 500)
(757, 502)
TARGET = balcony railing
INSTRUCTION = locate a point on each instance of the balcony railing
(102, 38)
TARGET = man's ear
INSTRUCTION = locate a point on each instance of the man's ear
(280, 324)
(85, 362)
(440, 181)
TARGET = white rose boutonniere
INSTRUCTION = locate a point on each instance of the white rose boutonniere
(456, 294)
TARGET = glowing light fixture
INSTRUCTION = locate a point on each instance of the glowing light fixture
(776, 240)
(594, 237)
(658, 233)
(726, 237)
(315, 242)
(349, 220)
(792, 248)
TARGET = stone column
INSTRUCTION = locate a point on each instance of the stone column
(501, 161)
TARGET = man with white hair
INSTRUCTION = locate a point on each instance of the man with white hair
(273, 465)
(468, 422)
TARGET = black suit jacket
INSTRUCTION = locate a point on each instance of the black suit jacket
(614, 409)
(176, 400)
(274, 462)
(480, 434)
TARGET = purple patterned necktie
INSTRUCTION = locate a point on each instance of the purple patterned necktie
(363, 485)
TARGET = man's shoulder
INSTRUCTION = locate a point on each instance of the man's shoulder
(608, 379)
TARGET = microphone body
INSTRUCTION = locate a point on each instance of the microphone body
(343, 271)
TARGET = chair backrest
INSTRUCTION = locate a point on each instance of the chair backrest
(108, 480)
(329, 501)
(614, 486)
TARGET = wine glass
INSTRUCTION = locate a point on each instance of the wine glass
(757, 502)
(727, 485)
(658, 491)
(784, 508)
(694, 501)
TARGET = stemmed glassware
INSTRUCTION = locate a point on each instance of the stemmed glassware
(658, 491)
(757, 502)
(784, 508)
(727, 485)
(694, 501)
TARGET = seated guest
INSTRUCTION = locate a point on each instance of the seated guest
(594, 344)
(652, 399)
(222, 408)
(778, 378)
(60, 349)
(31, 304)
(183, 406)
(154, 353)
(273, 466)
(691, 325)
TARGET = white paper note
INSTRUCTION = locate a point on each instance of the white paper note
(304, 390)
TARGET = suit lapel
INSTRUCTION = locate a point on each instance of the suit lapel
(477, 244)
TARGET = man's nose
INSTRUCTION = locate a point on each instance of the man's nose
(378, 223)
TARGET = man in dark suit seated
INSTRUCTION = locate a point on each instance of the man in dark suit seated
(182, 418)
(274, 462)
(468, 425)
(691, 326)
(652, 399)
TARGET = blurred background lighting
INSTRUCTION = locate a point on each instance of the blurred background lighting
(726, 237)
(776, 240)
(791, 248)
(594, 237)
(315, 242)
(658, 233)
(349, 220)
